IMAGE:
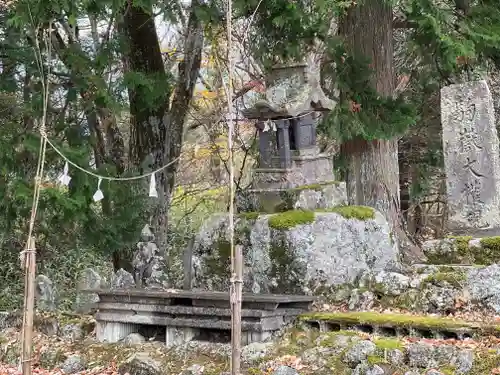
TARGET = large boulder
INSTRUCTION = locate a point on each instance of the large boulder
(295, 251)
(484, 286)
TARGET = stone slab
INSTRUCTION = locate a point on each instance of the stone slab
(188, 310)
(188, 298)
(129, 317)
(121, 312)
(471, 156)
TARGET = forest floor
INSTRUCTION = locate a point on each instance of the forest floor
(306, 351)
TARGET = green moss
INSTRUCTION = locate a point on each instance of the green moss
(461, 252)
(485, 362)
(219, 261)
(462, 244)
(284, 267)
(400, 320)
(330, 338)
(489, 252)
(407, 300)
(443, 258)
(353, 212)
(448, 370)
(289, 219)
(491, 243)
(454, 278)
(386, 343)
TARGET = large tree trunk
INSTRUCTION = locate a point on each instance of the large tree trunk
(372, 166)
(157, 131)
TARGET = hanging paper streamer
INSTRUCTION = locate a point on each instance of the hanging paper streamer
(152, 187)
(64, 179)
(269, 125)
(98, 195)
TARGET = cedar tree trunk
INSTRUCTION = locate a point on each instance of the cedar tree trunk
(372, 166)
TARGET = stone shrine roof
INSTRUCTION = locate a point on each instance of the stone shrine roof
(293, 90)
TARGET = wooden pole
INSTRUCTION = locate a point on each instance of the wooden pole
(29, 306)
(236, 293)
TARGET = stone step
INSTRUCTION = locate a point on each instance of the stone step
(399, 325)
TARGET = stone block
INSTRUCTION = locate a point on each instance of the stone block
(306, 197)
(248, 337)
(112, 332)
(305, 169)
(175, 336)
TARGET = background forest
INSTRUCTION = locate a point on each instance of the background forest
(133, 85)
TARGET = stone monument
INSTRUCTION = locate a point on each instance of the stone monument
(289, 159)
(471, 156)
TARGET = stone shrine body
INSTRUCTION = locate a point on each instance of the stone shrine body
(289, 158)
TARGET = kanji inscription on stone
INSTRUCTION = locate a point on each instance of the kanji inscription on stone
(471, 156)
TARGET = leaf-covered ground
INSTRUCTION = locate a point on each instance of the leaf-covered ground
(290, 349)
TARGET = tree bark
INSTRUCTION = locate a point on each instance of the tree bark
(372, 166)
(157, 131)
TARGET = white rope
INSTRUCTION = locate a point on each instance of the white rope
(108, 178)
(105, 177)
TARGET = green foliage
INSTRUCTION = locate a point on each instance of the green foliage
(362, 112)
(285, 29)
(451, 41)
(72, 231)
(152, 89)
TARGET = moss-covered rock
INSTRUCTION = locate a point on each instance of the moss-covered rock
(297, 251)
(398, 320)
(455, 279)
(463, 250)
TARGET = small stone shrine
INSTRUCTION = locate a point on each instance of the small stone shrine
(471, 156)
(298, 235)
(289, 159)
